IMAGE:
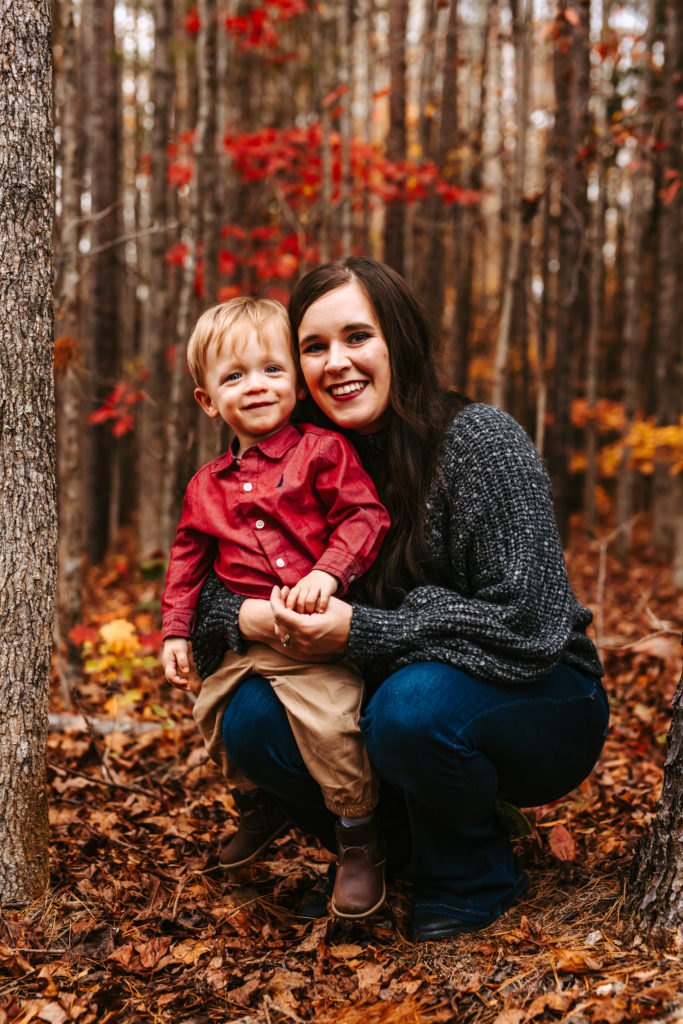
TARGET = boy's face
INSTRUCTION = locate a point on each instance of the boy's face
(250, 381)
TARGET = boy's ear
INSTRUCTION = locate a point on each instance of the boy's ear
(204, 399)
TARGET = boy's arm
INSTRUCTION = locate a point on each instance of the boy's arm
(358, 520)
(191, 558)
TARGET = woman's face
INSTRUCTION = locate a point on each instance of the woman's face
(345, 359)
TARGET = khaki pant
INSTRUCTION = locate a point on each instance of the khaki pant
(322, 701)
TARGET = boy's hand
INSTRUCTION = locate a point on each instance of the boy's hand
(312, 593)
(174, 658)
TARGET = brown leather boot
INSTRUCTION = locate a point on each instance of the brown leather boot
(359, 882)
(261, 821)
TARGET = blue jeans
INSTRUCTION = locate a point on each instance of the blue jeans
(444, 744)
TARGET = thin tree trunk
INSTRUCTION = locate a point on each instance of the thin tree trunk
(68, 348)
(28, 514)
(345, 216)
(633, 301)
(98, 44)
(596, 297)
(438, 217)
(572, 78)
(394, 223)
(521, 28)
(154, 319)
(206, 159)
(669, 285)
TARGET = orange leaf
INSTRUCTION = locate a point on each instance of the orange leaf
(562, 844)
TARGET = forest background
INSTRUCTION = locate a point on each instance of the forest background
(520, 163)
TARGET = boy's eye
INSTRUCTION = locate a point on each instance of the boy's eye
(273, 369)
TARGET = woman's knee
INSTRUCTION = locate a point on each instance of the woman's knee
(401, 719)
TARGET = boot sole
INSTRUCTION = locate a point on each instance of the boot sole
(233, 865)
(359, 916)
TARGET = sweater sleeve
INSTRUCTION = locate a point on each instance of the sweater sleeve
(216, 627)
(503, 609)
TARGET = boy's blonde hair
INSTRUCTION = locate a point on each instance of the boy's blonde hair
(214, 324)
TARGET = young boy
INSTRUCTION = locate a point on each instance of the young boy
(286, 506)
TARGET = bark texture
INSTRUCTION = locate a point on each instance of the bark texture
(655, 901)
(28, 536)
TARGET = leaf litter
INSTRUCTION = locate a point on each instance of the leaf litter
(140, 924)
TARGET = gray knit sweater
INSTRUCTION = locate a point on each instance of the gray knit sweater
(508, 614)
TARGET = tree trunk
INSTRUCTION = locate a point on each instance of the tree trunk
(438, 217)
(632, 331)
(655, 892)
(572, 77)
(28, 517)
(68, 347)
(521, 29)
(394, 224)
(666, 497)
(102, 163)
(154, 326)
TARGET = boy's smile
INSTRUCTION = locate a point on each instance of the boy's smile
(250, 382)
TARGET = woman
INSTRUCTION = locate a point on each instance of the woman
(480, 676)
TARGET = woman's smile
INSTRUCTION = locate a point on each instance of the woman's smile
(345, 359)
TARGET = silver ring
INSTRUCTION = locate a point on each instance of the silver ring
(285, 640)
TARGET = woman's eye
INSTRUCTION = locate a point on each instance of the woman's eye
(358, 337)
(313, 348)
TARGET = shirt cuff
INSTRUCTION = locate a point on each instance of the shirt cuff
(339, 567)
(177, 624)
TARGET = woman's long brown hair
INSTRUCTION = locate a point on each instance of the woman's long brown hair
(421, 406)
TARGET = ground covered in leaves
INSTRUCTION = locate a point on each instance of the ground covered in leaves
(140, 925)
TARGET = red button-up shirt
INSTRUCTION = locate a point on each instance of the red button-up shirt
(296, 501)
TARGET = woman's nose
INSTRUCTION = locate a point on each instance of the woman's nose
(337, 358)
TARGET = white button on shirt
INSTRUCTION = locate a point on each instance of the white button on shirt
(279, 562)
(259, 524)
(247, 487)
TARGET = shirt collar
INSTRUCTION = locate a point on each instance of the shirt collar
(273, 447)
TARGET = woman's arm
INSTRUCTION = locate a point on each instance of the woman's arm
(216, 627)
(503, 609)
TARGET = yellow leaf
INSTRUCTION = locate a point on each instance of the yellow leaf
(119, 636)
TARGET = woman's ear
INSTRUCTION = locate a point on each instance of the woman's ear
(204, 399)
(301, 393)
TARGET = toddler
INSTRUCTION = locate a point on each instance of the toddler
(288, 506)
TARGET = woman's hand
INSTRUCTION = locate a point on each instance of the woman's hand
(314, 637)
(256, 622)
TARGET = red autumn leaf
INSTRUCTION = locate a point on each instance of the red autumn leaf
(81, 634)
(101, 415)
(123, 425)
(191, 22)
(562, 843)
(177, 254)
(227, 264)
(179, 174)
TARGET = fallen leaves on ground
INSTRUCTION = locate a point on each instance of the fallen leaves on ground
(140, 924)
